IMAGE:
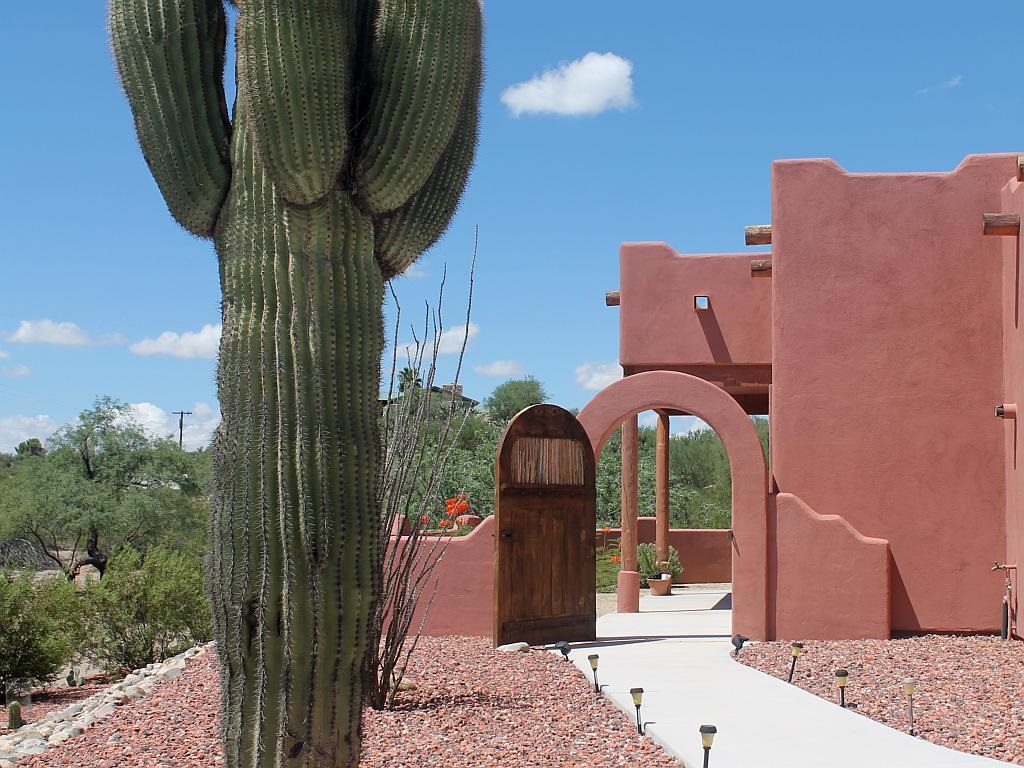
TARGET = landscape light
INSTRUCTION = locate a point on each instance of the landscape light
(638, 697)
(796, 649)
(909, 684)
(737, 643)
(563, 648)
(841, 677)
(707, 738)
(593, 658)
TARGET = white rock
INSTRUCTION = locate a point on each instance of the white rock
(60, 737)
(515, 647)
(134, 692)
(170, 673)
(103, 711)
(6, 763)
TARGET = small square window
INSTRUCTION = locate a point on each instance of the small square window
(702, 302)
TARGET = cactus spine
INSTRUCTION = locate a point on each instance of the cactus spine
(352, 136)
(14, 720)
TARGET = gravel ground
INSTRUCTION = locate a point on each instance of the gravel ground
(969, 696)
(472, 706)
(52, 698)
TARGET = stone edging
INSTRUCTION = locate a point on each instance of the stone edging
(59, 726)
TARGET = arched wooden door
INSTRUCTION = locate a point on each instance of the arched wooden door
(545, 510)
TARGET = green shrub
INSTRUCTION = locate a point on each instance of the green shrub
(647, 565)
(144, 611)
(37, 638)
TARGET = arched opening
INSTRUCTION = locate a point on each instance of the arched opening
(673, 391)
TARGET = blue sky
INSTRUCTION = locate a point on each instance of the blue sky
(680, 107)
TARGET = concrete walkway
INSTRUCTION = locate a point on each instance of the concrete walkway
(677, 649)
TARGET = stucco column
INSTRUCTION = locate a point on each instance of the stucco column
(661, 498)
(628, 585)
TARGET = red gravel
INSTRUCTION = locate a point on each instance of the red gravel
(472, 706)
(52, 698)
(969, 696)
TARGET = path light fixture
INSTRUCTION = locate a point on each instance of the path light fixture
(707, 738)
(909, 684)
(638, 697)
(737, 643)
(841, 677)
(796, 649)
(593, 659)
(563, 648)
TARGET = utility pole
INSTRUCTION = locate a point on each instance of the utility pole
(181, 424)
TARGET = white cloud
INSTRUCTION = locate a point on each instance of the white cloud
(597, 375)
(587, 86)
(416, 271)
(450, 342)
(16, 429)
(15, 371)
(953, 82)
(647, 419)
(64, 334)
(3, 355)
(201, 343)
(684, 425)
(502, 368)
(199, 425)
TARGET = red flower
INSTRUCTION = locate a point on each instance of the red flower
(445, 523)
(424, 519)
(616, 559)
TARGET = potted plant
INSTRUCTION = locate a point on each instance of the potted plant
(657, 575)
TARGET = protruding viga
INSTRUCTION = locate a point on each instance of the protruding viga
(353, 132)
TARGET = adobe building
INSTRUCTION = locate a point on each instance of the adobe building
(879, 335)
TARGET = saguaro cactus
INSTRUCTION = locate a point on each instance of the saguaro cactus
(353, 132)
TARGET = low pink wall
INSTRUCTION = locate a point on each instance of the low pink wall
(706, 555)
(465, 594)
(829, 580)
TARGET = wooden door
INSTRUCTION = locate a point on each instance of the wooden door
(545, 510)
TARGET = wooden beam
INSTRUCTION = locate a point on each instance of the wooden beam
(761, 268)
(759, 234)
(1020, 167)
(630, 482)
(612, 298)
(1002, 224)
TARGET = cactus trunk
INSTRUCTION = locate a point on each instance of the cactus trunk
(353, 135)
(294, 517)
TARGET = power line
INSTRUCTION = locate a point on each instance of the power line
(181, 424)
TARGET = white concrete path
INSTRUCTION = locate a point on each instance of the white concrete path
(677, 649)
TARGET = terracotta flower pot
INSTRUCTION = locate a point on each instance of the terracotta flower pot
(660, 587)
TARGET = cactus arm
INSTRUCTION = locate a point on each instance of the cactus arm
(294, 73)
(405, 234)
(170, 57)
(423, 58)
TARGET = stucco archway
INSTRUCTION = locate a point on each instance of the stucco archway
(680, 391)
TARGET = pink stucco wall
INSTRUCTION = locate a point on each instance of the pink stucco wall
(658, 324)
(1013, 386)
(887, 359)
(706, 554)
(828, 580)
(465, 594)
